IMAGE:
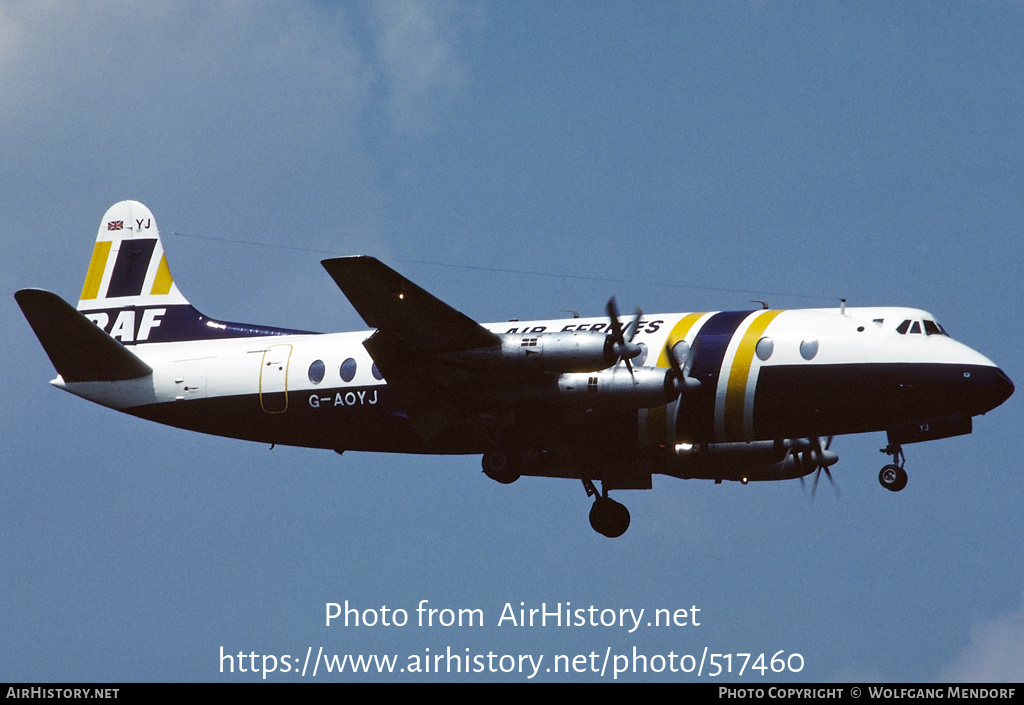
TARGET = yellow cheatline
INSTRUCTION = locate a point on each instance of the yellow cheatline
(657, 421)
(98, 263)
(735, 394)
(678, 332)
(162, 282)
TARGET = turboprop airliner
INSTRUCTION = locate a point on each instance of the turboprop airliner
(719, 395)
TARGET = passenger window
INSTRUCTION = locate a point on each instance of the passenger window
(316, 371)
(809, 348)
(376, 372)
(348, 370)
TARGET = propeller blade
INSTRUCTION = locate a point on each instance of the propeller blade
(626, 350)
(691, 359)
(680, 359)
(828, 474)
(613, 315)
(812, 455)
(635, 325)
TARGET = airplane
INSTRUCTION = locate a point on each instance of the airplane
(728, 395)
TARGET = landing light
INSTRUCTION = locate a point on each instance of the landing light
(683, 447)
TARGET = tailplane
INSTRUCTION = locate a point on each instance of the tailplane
(79, 351)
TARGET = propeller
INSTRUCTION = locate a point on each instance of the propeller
(681, 358)
(812, 457)
(625, 349)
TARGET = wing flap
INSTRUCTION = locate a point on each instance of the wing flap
(77, 347)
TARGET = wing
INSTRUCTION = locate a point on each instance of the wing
(403, 311)
(415, 338)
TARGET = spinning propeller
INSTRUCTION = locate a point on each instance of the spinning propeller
(681, 358)
(626, 350)
(812, 457)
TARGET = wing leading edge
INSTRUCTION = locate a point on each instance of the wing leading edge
(403, 311)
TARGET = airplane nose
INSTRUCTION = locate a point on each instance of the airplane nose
(992, 387)
(1003, 387)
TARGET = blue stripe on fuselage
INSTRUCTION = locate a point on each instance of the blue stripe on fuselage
(695, 421)
(174, 323)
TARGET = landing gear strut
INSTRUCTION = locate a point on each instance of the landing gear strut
(893, 477)
(607, 517)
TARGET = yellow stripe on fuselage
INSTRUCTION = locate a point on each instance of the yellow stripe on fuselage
(736, 391)
(97, 265)
(678, 332)
(657, 418)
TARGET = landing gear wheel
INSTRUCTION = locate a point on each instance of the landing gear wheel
(609, 518)
(893, 478)
(499, 467)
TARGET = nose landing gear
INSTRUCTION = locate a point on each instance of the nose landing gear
(893, 477)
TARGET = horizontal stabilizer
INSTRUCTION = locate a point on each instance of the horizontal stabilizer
(78, 348)
(394, 305)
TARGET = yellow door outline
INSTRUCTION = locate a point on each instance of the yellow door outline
(274, 378)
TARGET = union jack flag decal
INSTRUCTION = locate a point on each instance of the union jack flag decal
(115, 225)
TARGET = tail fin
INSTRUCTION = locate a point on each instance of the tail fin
(129, 291)
(128, 265)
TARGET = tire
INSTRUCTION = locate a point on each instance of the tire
(893, 478)
(498, 466)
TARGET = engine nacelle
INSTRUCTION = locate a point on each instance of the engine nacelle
(741, 462)
(645, 388)
(566, 351)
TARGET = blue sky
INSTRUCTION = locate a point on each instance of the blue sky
(515, 159)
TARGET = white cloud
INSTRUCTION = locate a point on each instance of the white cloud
(417, 46)
(995, 653)
(58, 57)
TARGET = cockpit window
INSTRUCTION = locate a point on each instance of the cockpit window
(914, 327)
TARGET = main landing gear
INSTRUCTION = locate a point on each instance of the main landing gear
(500, 467)
(893, 477)
(607, 517)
